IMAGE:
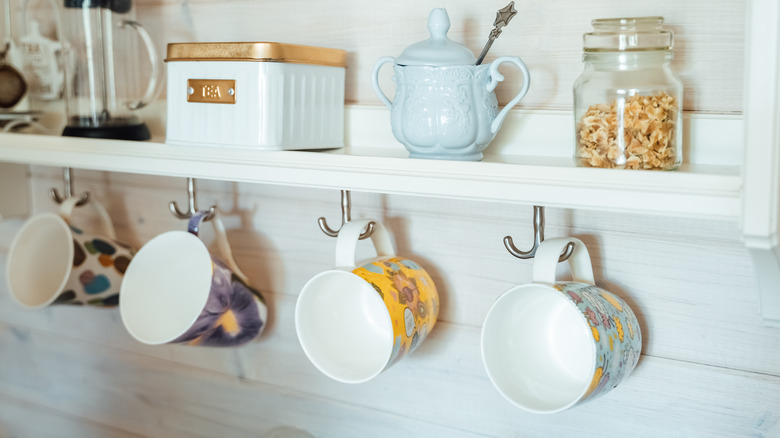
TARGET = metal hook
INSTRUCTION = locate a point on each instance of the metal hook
(346, 216)
(193, 208)
(538, 238)
(67, 175)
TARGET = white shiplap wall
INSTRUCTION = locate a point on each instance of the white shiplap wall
(709, 369)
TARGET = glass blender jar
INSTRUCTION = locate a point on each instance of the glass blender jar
(102, 86)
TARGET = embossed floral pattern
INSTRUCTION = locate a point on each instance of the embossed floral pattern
(443, 112)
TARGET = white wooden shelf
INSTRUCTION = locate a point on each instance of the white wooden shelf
(710, 191)
(529, 162)
(374, 162)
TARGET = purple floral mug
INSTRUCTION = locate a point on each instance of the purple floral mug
(548, 346)
(175, 291)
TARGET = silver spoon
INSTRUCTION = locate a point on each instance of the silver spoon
(503, 16)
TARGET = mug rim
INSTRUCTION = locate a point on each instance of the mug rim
(17, 241)
(547, 289)
(199, 298)
(386, 322)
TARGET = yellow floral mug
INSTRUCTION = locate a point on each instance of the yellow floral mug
(358, 319)
(548, 346)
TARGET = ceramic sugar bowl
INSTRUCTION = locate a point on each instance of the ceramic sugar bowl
(445, 105)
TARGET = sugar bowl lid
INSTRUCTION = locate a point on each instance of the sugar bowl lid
(438, 50)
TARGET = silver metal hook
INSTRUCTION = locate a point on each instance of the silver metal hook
(193, 207)
(538, 239)
(67, 176)
(346, 216)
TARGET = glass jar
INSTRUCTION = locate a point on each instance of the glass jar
(627, 101)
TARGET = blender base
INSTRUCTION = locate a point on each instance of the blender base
(136, 132)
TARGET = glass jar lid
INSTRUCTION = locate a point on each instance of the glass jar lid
(438, 50)
(631, 34)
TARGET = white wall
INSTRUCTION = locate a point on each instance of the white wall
(709, 366)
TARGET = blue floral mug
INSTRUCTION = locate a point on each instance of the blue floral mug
(175, 291)
(549, 346)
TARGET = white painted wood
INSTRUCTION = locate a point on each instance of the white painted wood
(761, 173)
(710, 365)
(546, 35)
(514, 173)
(19, 418)
(161, 398)
(14, 190)
(677, 272)
(532, 135)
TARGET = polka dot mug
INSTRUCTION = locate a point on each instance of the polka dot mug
(53, 261)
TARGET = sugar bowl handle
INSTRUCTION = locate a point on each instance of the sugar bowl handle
(496, 77)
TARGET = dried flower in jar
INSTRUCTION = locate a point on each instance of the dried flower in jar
(646, 140)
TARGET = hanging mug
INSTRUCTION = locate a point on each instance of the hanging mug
(548, 346)
(357, 319)
(176, 291)
(52, 261)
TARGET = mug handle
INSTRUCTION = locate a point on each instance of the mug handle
(547, 260)
(68, 205)
(193, 226)
(152, 89)
(496, 77)
(349, 235)
(375, 80)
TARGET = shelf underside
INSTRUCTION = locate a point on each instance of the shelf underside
(694, 190)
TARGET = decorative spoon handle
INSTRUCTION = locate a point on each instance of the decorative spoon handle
(503, 16)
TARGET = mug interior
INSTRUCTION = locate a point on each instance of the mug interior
(40, 261)
(538, 349)
(344, 326)
(165, 287)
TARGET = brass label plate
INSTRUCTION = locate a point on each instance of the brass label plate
(211, 90)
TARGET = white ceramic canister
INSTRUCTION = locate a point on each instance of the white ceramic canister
(256, 95)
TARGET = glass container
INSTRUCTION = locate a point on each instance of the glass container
(102, 87)
(628, 101)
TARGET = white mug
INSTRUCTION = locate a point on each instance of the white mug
(52, 261)
(175, 291)
(548, 346)
(356, 320)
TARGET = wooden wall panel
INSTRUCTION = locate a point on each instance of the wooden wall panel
(14, 190)
(276, 240)
(19, 419)
(439, 391)
(709, 367)
(546, 35)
